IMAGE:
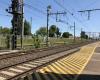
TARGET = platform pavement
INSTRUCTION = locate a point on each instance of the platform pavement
(70, 67)
(92, 69)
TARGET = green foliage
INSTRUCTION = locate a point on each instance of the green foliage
(27, 28)
(54, 31)
(86, 36)
(66, 35)
(58, 33)
(42, 31)
(83, 35)
(36, 42)
(4, 30)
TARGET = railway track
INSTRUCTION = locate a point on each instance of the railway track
(13, 72)
(27, 62)
(33, 51)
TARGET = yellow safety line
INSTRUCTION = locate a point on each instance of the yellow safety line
(81, 61)
(68, 71)
(64, 69)
(74, 63)
(86, 62)
(70, 67)
(59, 71)
(75, 66)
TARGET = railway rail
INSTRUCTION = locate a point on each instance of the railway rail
(21, 53)
(31, 60)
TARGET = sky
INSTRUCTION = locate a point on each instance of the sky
(71, 6)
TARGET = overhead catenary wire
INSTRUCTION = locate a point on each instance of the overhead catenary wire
(5, 15)
(38, 10)
(69, 12)
(34, 8)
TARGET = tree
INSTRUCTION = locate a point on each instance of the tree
(27, 28)
(4, 30)
(83, 35)
(58, 33)
(66, 35)
(86, 37)
(42, 31)
(52, 31)
(0, 29)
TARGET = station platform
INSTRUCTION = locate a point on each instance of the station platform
(92, 69)
(81, 65)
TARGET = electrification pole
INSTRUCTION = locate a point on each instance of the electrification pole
(74, 32)
(48, 15)
(88, 11)
(16, 9)
(22, 29)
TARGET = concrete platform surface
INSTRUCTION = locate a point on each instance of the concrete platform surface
(92, 70)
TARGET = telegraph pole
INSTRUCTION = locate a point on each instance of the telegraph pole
(16, 9)
(48, 15)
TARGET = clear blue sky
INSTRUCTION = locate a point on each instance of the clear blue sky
(92, 25)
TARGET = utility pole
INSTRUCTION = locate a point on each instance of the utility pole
(74, 27)
(16, 9)
(48, 15)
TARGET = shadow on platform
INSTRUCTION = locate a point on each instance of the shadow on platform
(54, 76)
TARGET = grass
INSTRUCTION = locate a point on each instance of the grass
(52, 41)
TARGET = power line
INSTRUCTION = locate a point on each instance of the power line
(38, 10)
(89, 11)
(63, 7)
(69, 12)
(5, 15)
